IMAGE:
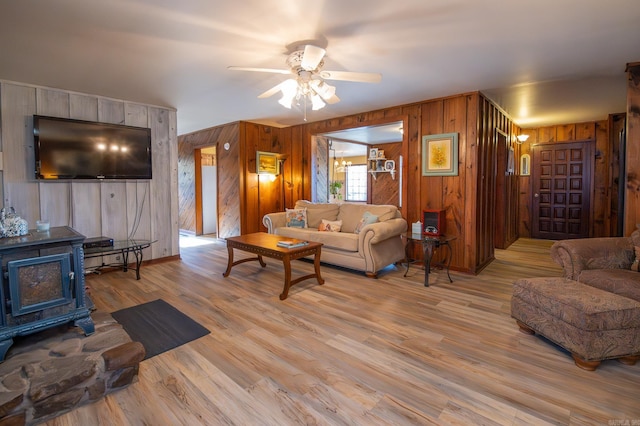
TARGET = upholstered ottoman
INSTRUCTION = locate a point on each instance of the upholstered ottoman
(590, 323)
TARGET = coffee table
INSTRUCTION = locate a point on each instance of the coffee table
(263, 244)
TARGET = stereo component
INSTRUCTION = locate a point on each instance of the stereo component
(434, 222)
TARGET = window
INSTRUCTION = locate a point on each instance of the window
(356, 183)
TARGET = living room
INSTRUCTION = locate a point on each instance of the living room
(353, 350)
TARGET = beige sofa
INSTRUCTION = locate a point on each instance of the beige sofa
(376, 246)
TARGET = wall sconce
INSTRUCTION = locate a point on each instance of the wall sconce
(520, 139)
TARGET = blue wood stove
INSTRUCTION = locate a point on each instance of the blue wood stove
(42, 284)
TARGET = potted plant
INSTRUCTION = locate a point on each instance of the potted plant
(334, 189)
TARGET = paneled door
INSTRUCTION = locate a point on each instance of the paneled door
(562, 187)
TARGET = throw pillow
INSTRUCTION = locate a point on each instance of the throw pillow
(330, 225)
(635, 266)
(296, 218)
(367, 219)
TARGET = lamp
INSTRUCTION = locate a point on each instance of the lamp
(520, 139)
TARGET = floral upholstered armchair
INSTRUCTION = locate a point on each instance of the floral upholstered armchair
(607, 263)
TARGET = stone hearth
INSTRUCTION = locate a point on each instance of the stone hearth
(54, 371)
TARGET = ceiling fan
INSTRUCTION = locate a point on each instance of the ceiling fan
(307, 78)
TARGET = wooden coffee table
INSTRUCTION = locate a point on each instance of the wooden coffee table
(263, 244)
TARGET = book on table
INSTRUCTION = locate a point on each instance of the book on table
(292, 243)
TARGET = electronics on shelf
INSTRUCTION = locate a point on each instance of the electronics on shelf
(97, 242)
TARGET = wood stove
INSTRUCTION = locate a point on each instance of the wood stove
(42, 284)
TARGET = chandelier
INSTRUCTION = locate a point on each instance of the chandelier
(342, 166)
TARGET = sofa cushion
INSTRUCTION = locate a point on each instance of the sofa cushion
(619, 281)
(296, 218)
(367, 219)
(330, 225)
(351, 213)
(318, 211)
(336, 240)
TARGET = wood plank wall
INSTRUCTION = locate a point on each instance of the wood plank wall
(384, 189)
(497, 139)
(243, 196)
(228, 200)
(632, 193)
(471, 199)
(458, 195)
(462, 196)
(143, 209)
(597, 131)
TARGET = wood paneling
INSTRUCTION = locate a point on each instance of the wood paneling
(477, 201)
(632, 194)
(228, 198)
(602, 189)
(384, 189)
(615, 212)
(457, 114)
(524, 182)
(118, 209)
(243, 196)
(598, 131)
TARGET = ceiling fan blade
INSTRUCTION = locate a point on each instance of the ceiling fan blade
(271, 70)
(287, 87)
(333, 100)
(312, 57)
(275, 89)
(359, 77)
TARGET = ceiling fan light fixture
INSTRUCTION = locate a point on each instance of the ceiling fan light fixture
(289, 89)
(307, 84)
(286, 102)
(316, 102)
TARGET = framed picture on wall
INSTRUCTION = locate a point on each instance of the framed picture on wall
(440, 155)
(267, 163)
(373, 153)
(389, 165)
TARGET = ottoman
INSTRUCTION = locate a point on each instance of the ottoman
(591, 323)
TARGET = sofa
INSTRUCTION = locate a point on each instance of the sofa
(605, 263)
(363, 237)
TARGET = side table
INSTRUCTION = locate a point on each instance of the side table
(123, 247)
(429, 245)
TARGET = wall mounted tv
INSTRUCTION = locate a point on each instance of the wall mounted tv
(74, 149)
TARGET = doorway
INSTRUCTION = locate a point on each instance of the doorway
(348, 167)
(562, 187)
(206, 179)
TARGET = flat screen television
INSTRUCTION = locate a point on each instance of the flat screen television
(75, 149)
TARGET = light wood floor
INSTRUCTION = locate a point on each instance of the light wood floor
(355, 351)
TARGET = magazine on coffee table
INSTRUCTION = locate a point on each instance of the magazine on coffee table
(292, 243)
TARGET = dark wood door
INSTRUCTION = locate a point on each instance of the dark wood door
(562, 182)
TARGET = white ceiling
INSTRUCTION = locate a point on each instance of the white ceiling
(544, 61)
